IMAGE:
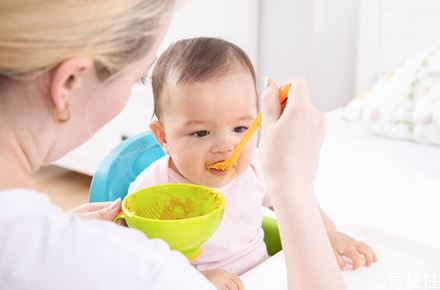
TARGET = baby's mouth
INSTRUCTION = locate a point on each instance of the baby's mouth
(219, 172)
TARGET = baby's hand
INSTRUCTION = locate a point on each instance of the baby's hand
(223, 280)
(345, 246)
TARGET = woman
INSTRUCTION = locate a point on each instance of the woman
(66, 69)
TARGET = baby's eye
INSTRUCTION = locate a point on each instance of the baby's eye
(200, 133)
(240, 129)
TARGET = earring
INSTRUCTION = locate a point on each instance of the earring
(62, 117)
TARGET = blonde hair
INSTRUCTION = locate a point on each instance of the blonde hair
(37, 35)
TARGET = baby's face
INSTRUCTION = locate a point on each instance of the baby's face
(204, 121)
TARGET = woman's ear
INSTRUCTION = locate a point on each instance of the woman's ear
(159, 133)
(70, 77)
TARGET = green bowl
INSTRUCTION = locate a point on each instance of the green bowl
(183, 215)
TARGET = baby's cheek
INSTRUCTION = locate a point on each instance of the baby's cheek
(194, 165)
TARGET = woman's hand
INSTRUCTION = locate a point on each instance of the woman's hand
(345, 246)
(290, 145)
(98, 210)
(291, 141)
(223, 280)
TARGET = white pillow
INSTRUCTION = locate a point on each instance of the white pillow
(405, 103)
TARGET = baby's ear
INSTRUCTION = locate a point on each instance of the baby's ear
(159, 134)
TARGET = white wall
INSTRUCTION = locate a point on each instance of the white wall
(313, 39)
(284, 39)
(235, 21)
(390, 32)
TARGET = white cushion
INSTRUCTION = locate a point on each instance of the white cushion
(405, 103)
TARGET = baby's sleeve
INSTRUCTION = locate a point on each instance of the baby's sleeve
(258, 170)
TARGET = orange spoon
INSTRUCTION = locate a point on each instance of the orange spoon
(282, 95)
(229, 162)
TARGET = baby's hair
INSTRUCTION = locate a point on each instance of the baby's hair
(196, 60)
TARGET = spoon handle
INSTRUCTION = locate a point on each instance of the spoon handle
(246, 137)
(229, 162)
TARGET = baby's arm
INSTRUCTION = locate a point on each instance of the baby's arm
(328, 223)
(345, 246)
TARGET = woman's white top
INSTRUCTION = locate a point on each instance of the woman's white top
(43, 248)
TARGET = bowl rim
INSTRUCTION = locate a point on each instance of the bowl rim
(220, 208)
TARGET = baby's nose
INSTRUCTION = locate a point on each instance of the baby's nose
(224, 145)
(223, 148)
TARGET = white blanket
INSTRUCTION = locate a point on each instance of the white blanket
(402, 264)
(387, 184)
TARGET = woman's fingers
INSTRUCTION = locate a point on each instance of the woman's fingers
(94, 206)
(101, 210)
(271, 107)
(299, 92)
(270, 104)
(298, 131)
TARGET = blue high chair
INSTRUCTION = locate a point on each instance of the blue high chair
(122, 165)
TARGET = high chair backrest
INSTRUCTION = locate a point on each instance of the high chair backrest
(121, 166)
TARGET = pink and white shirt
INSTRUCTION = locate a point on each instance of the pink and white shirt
(237, 245)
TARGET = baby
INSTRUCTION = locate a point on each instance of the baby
(205, 97)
